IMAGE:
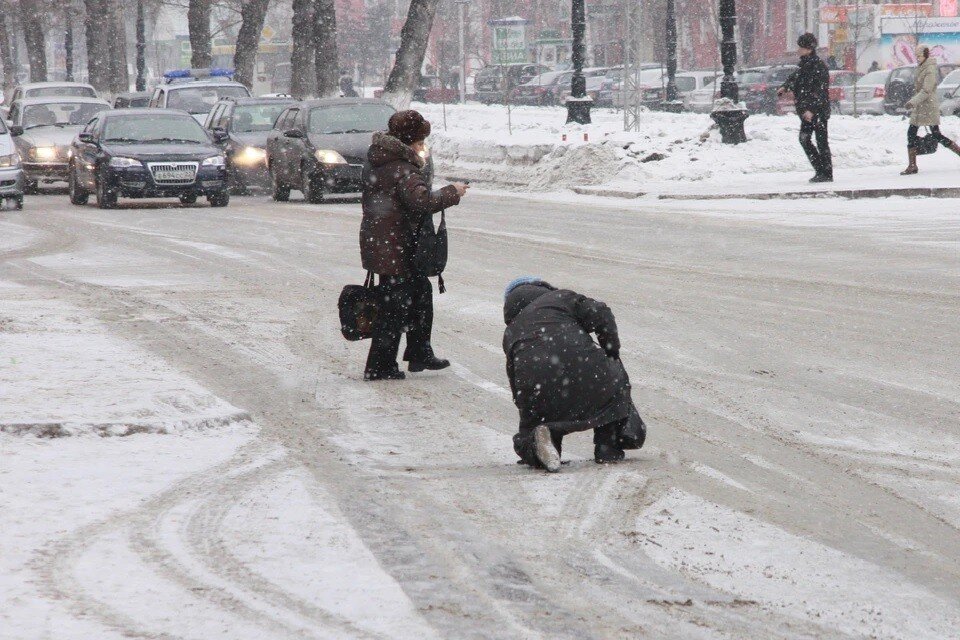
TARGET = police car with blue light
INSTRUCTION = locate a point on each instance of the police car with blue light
(196, 90)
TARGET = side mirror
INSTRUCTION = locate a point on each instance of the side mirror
(87, 137)
(16, 130)
(220, 134)
(293, 133)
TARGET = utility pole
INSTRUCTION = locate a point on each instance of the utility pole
(671, 103)
(141, 84)
(578, 104)
(727, 112)
(463, 50)
(630, 84)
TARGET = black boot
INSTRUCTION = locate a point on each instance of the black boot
(392, 373)
(427, 361)
(605, 448)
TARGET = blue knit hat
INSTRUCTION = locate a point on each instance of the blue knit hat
(522, 280)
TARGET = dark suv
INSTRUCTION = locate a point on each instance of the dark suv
(900, 86)
(758, 87)
(242, 126)
(319, 146)
(146, 153)
(496, 82)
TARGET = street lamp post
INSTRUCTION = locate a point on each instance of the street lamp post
(463, 51)
(727, 112)
(671, 101)
(578, 104)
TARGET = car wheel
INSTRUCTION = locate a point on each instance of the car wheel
(188, 198)
(106, 199)
(281, 192)
(78, 195)
(219, 199)
(314, 191)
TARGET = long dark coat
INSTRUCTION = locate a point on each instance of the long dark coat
(558, 375)
(810, 85)
(396, 197)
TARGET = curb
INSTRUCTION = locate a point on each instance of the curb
(849, 194)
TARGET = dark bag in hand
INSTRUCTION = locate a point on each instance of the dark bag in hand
(430, 255)
(358, 307)
(927, 144)
(634, 432)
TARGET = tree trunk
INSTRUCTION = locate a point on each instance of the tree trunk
(325, 48)
(98, 49)
(119, 79)
(6, 56)
(33, 36)
(198, 25)
(68, 45)
(253, 13)
(141, 43)
(413, 47)
(302, 54)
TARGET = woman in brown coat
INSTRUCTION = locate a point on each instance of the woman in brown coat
(396, 199)
(925, 109)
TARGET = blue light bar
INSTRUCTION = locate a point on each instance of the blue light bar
(182, 74)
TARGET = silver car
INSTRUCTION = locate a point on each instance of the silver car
(870, 94)
(43, 130)
(11, 173)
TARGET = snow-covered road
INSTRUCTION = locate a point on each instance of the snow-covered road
(797, 364)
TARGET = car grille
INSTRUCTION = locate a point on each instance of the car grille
(173, 173)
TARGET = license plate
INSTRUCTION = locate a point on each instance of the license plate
(174, 176)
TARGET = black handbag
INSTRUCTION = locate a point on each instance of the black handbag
(359, 306)
(634, 432)
(927, 144)
(430, 249)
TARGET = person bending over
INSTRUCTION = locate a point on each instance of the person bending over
(561, 379)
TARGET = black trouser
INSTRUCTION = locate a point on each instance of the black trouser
(406, 305)
(819, 154)
(913, 139)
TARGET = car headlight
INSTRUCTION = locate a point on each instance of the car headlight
(121, 162)
(214, 161)
(329, 156)
(44, 153)
(251, 156)
(12, 160)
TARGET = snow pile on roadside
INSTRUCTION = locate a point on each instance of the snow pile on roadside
(478, 144)
(62, 374)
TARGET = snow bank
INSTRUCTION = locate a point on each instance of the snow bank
(667, 152)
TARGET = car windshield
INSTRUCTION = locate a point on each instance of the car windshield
(686, 83)
(60, 114)
(256, 117)
(842, 79)
(154, 129)
(751, 77)
(56, 92)
(349, 118)
(201, 99)
(953, 77)
(874, 77)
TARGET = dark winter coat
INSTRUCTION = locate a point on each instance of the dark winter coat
(558, 375)
(810, 85)
(396, 197)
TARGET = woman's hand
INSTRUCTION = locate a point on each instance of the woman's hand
(461, 188)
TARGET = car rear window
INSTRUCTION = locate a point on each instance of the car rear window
(349, 118)
(256, 117)
(686, 83)
(56, 92)
(201, 99)
(60, 114)
(874, 77)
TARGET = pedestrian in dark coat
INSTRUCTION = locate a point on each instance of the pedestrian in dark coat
(563, 381)
(396, 199)
(810, 85)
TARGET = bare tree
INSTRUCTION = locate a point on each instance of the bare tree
(119, 78)
(413, 47)
(302, 53)
(33, 36)
(98, 58)
(325, 48)
(198, 26)
(252, 15)
(6, 55)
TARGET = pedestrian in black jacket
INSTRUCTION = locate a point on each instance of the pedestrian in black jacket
(561, 379)
(810, 85)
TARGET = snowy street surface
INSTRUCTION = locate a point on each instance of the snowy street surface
(188, 451)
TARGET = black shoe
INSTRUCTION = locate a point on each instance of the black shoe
(433, 363)
(605, 454)
(821, 178)
(389, 374)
